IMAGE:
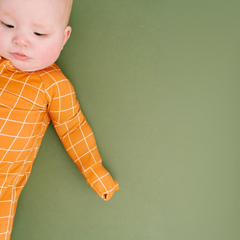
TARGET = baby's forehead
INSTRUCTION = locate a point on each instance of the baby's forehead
(54, 5)
(57, 11)
(60, 9)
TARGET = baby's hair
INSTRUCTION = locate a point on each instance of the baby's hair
(68, 7)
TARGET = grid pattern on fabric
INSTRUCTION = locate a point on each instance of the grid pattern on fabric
(27, 103)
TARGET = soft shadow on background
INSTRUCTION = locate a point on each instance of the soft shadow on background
(159, 84)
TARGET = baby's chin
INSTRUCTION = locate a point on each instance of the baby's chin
(29, 66)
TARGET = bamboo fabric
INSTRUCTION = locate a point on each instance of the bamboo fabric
(28, 101)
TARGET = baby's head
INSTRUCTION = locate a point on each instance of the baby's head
(33, 32)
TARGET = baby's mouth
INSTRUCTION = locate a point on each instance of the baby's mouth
(20, 56)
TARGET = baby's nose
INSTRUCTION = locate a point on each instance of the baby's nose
(20, 41)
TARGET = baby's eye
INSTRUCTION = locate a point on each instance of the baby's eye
(7, 25)
(40, 34)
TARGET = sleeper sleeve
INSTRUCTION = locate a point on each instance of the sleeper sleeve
(77, 137)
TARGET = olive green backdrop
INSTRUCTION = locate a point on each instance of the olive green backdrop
(158, 81)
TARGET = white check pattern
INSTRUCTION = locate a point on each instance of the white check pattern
(28, 101)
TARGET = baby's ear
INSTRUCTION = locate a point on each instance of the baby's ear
(67, 34)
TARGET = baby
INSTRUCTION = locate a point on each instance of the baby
(33, 91)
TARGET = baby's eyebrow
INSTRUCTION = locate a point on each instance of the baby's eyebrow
(40, 26)
(8, 14)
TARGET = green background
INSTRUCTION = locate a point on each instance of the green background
(159, 84)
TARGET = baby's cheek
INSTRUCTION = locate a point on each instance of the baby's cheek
(3, 41)
(49, 55)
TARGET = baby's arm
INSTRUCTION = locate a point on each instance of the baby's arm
(77, 137)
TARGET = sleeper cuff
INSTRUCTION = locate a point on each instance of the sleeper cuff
(101, 181)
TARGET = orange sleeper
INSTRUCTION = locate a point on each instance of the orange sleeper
(28, 101)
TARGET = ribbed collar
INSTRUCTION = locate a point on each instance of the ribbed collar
(5, 62)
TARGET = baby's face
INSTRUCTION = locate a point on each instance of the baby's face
(33, 32)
